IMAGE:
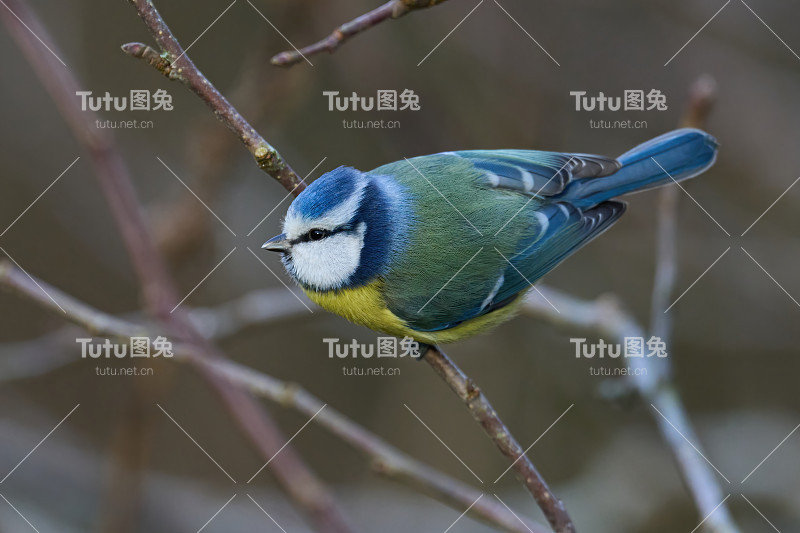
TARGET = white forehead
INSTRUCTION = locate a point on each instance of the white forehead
(297, 224)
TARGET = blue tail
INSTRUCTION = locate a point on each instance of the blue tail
(678, 155)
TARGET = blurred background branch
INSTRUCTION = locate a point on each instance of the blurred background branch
(390, 10)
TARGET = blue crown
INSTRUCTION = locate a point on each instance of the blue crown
(327, 192)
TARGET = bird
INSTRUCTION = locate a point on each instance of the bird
(442, 247)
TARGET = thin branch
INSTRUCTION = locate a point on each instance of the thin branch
(666, 263)
(386, 459)
(483, 412)
(189, 74)
(390, 10)
(175, 64)
(702, 96)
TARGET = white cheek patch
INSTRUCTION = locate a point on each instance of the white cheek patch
(328, 263)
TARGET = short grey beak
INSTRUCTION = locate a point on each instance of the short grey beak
(277, 244)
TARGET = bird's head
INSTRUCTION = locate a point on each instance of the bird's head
(339, 232)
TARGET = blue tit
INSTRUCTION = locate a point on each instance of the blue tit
(444, 246)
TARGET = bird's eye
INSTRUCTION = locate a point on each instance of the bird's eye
(316, 234)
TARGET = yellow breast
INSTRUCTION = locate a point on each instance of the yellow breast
(365, 306)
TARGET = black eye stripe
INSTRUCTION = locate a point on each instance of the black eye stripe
(306, 237)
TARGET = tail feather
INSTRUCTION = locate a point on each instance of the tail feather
(678, 155)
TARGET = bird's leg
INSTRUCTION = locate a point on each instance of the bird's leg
(423, 349)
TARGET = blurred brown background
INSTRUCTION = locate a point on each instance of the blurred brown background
(487, 86)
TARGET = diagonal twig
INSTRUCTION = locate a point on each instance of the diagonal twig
(390, 10)
(174, 63)
(483, 413)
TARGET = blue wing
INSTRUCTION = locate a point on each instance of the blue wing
(563, 228)
(535, 172)
(569, 229)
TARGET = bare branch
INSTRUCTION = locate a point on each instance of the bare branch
(175, 64)
(483, 412)
(390, 10)
(666, 263)
(702, 95)
(386, 459)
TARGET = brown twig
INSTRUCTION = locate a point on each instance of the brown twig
(175, 64)
(386, 459)
(158, 291)
(483, 413)
(390, 10)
